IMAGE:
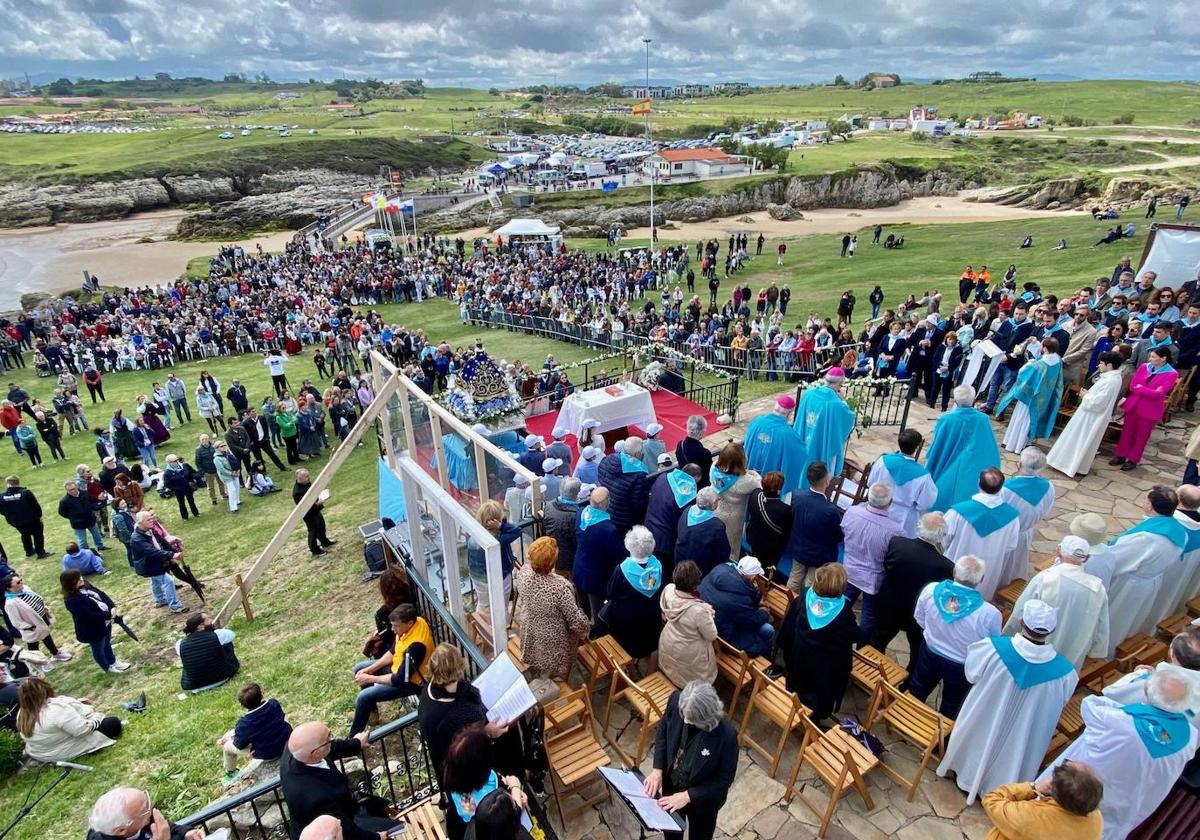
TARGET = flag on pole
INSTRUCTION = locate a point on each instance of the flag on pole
(642, 108)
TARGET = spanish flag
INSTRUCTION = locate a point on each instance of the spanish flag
(642, 108)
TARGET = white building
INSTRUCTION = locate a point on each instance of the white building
(699, 163)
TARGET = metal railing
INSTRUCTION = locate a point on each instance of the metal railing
(405, 774)
(876, 402)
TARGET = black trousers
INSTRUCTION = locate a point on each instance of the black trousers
(888, 627)
(96, 390)
(942, 386)
(315, 524)
(281, 384)
(265, 448)
(244, 459)
(292, 444)
(185, 501)
(33, 538)
(701, 823)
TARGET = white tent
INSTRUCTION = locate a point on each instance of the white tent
(527, 227)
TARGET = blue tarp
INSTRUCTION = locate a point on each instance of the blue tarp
(391, 494)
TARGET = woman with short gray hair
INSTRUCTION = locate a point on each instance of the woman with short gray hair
(631, 612)
(695, 759)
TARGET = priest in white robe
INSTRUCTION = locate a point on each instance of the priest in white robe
(1101, 560)
(1143, 555)
(1188, 514)
(1077, 597)
(1033, 497)
(1078, 443)
(985, 526)
(1183, 660)
(1138, 750)
(913, 488)
(1037, 394)
(1019, 687)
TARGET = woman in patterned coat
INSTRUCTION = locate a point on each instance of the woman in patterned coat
(552, 624)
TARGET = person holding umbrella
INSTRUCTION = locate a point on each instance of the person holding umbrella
(155, 559)
(94, 613)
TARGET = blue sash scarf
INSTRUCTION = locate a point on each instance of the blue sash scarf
(903, 469)
(570, 502)
(466, 803)
(1028, 674)
(1193, 539)
(1163, 526)
(955, 601)
(1031, 488)
(1163, 733)
(683, 486)
(591, 516)
(1153, 371)
(697, 515)
(644, 578)
(721, 480)
(820, 610)
(631, 465)
(985, 520)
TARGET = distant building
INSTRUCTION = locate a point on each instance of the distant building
(877, 124)
(985, 76)
(652, 92)
(885, 80)
(284, 96)
(816, 125)
(701, 163)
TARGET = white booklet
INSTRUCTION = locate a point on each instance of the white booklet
(323, 496)
(504, 691)
(648, 810)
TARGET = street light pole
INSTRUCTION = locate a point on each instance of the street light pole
(653, 169)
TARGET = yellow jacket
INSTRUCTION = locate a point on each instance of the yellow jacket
(1017, 813)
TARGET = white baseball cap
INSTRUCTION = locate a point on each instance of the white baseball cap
(749, 567)
(1072, 546)
(1039, 616)
(533, 440)
(520, 480)
(653, 429)
(551, 464)
(591, 424)
(559, 432)
(481, 429)
(589, 453)
(665, 458)
(585, 492)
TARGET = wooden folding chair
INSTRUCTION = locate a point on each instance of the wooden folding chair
(595, 664)
(1140, 649)
(777, 705)
(480, 632)
(647, 699)
(1009, 594)
(1172, 626)
(423, 821)
(1193, 607)
(870, 667)
(839, 761)
(1066, 408)
(776, 599)
(916, 723)
(849, 488)
(734, 666)
(1098, 674)
(574, 754)
(1178, 395)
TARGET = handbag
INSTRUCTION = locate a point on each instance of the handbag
(852, 727)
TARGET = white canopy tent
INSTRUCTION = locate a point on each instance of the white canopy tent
(534, 230)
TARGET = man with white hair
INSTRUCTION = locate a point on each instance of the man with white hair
(773, 446)
(701, 536)
(690, 450)
(598, 550)
(1078, 597)
(627, 480)
(867, 530)
(953, 616)
(1138, 750)
(963, 446)
(1183, 659)
(1019, 687)
(152, 558)
(908, 567)
(127, 813)
(561, 515)
(1033, 497)
(824, 422)
(913, 488)
(987, 526)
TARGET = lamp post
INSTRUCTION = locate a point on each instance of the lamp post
(653, 169)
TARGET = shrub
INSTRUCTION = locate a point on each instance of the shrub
(11, 749)
(1123, 119)
(1072, 120)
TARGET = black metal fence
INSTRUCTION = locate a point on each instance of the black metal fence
(883, 402)
(405, 774)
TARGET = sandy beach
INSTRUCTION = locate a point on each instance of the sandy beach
(53, 259)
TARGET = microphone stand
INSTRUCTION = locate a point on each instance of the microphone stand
(27, 807)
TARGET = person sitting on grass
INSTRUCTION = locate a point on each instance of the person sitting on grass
(60, 728)
(261, 483)
(261, 733)
(207, 654)
(86, 561)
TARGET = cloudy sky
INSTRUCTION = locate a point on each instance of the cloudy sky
(467, 42)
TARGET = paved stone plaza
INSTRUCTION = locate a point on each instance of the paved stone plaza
(756, 809)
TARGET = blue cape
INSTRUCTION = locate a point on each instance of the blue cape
(824, 423)
(985, 520)
(964, 445)
(1031, 488)
(1163, 526)
(1027, 674)
(903, 469)
(697, 514)
(772, 446)
(466, 803)
(955, 601)
(631, 465)
(590, 516)
(820, 610)
(683, 487)
(645, 579)
(721, 480)
(1039, 386)
(1163, 733)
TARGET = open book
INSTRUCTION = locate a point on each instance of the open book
(651, 814)
(504, 691)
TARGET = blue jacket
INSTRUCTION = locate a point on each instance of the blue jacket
(85, 560)
(146, 558)
(477, 559)
(816, 529)
(92, 624)
(706, 544)
(627, 492)
(662, 516)
(532, 460)
(736, 602)
(598, 550)
(264, 730)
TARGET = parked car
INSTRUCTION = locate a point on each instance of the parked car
(226, 135)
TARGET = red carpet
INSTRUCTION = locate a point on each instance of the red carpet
(671, 410)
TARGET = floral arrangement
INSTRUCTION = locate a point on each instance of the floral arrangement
(482, 393)
(649, 375)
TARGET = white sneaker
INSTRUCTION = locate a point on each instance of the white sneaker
(119, 668)
(62, 656)
(46, 667)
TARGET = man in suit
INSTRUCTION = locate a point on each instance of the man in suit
(816, 527)
(314, 786)
(691, 450)
(260, 438)
(908, 566)
(925, 341)
(239, 447)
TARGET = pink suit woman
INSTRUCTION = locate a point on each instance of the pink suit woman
(1144, 407)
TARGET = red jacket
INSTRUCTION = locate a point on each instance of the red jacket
(10, 417)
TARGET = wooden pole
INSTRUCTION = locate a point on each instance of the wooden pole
(245, 595)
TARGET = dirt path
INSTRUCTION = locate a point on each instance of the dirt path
(1168, 162)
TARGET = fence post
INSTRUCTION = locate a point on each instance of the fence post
(907, 403)
(245, 597)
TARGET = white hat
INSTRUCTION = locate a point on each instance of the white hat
(520, 480)
(559, 432)
(653, 429)
(590, 424)
(1073, 546)
(533, 440)
(550, 465)
(1039, 616)
(481, 429)
(585, 492)
(749, 567)
(665, 458)
(589, 453)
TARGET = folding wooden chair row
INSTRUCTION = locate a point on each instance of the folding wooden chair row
(647, 699)
(915, 722)
(871, 667)
(574, 754)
